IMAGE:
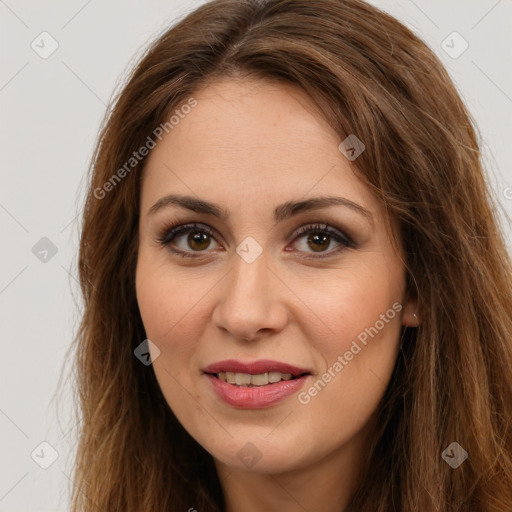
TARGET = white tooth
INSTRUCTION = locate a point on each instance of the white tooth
(243, 379)
(259, 380)
(274, 377)
(246, 379)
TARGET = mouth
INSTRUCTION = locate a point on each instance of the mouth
(255, 388)
(262, 372)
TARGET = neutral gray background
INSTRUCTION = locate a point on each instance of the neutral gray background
(50, 111)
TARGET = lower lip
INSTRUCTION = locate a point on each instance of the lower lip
(256, 397)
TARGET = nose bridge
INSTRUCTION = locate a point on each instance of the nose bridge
(248, 281)
(249, 302)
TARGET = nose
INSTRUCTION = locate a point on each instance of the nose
(251, 300)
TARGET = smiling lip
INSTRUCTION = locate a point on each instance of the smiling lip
(257, 397)
(254, 367)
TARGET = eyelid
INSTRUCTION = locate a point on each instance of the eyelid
(179, 229)
(323, 227)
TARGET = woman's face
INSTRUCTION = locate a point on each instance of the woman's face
(244, 284)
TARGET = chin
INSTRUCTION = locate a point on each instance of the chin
(260, 456)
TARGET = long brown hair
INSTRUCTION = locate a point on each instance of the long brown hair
(369, 76)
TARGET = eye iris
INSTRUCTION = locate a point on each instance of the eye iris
(197, 237)
(315, 237)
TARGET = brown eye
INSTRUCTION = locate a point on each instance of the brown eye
(318, 242)
(319, 238)
(198, 240)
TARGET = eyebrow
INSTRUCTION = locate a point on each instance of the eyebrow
(282, 212)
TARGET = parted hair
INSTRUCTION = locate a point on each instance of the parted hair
(371, 76)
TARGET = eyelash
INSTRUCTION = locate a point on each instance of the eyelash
(169, 233)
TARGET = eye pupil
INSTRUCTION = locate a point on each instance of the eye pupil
(315, 238)
(199, 238)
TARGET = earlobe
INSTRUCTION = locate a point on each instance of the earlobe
(410, 318)
(414, 323)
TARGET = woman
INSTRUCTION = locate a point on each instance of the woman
(297, 296)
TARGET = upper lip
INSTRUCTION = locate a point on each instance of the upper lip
(254, 367)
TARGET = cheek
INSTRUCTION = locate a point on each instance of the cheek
(360, 328)
(170, 309)
(168, 301)
(346, 304)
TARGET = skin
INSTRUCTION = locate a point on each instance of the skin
(250, 146)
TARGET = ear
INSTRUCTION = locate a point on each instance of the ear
(410, 316)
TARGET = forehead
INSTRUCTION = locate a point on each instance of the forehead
(254, 140)
(237, 116)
